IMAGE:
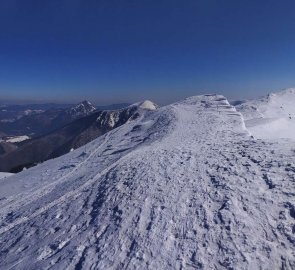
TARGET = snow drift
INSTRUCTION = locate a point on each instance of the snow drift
(271, 117)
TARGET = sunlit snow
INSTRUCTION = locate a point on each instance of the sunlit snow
(181, 187)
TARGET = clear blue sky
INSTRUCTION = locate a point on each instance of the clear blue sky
(122, 51)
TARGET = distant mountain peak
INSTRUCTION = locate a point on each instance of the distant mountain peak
(81, 109)
(148, 105)
(86, 103)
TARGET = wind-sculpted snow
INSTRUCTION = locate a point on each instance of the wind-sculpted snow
(271, 117)
(182, 187)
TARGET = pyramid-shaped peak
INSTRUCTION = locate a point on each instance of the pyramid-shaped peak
(86, 103)
(82, 109)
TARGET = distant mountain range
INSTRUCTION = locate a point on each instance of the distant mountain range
(12, 113)
(71, 135)
(40, 123)
(38, 119)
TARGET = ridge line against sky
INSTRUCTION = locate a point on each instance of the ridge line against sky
(113, 51)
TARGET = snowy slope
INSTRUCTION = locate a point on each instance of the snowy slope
(17, 139)
(182, 187)
(4, 175)
(272, 116)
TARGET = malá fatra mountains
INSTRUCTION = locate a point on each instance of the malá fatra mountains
(198, 184)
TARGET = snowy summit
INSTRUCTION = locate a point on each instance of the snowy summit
(81, 109)
(148, 105)
(181, 187)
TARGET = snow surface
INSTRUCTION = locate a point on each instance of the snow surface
(182, 187)
(29, 111)
(16, 139)
(271, 117)
(4, 175)
(148, 105)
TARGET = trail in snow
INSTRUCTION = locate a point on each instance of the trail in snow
(184, 187)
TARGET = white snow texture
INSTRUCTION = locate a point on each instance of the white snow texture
(181, 187)
(4, 175)
(271, 117)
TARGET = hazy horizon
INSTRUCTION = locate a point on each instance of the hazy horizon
(105, 102)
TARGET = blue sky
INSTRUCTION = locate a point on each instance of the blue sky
(111, 51)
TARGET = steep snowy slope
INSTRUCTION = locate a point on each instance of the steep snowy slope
(183, 187)
(272, 116)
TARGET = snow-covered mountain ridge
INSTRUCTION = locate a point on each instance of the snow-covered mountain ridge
(71, 136)
(272, 116)
(41, 123)
(180, 187)
(112, 118)
(82, 109)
